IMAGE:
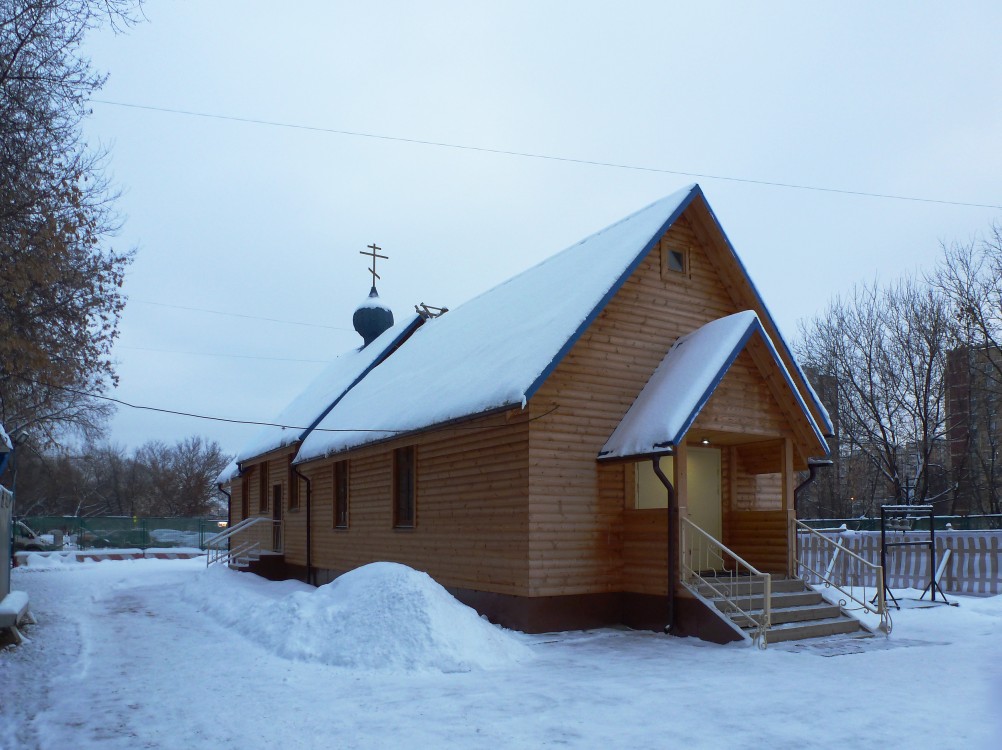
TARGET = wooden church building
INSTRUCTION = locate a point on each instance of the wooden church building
(511, 447)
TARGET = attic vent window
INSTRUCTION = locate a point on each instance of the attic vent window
(676, 261)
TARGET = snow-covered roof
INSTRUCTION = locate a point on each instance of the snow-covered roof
(6, 446)
(295, 421)
(495, 350)
(683, 383)
(231, 472)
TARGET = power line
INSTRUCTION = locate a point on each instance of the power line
(161, 410)
(240, 315)
(546, 157)
(218, 354)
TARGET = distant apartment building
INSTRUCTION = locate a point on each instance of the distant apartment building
(974, 395)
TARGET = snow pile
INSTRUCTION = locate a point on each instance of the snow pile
(38, 561)
(382, 616)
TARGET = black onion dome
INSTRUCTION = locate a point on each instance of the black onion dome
(371, 318)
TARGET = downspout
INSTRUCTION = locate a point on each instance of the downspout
(813, 464)
(309, 524)
(229, 505)
(672, 542)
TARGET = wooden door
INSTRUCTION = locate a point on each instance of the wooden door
(704, 496)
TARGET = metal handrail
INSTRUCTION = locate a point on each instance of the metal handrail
(220, 548)
(877, 605)
(230, 531)
(709, 566)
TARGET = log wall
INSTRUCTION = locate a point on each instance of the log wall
(582, 539)
(471, 521)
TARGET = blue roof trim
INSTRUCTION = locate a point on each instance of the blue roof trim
(754, 327)
(715, 382)
(413, 326)
(597, 310)
(758, 298)
(796, 391)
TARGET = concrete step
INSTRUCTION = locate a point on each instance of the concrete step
(780, 615)
(779, 601)
(798, 612)
(745, 587)
(795, 631)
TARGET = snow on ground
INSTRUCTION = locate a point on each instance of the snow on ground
(131, 655)
(382, 616)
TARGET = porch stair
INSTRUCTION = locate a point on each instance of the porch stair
(245, 560)
(798, 612)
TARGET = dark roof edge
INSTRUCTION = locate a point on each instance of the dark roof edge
(781, 341)
(721, 373)
(754, 327)
(383, 356)
(634, 458)
(390, 348)
(596, 311)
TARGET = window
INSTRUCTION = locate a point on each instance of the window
(404, 460)
(245, 497)
(262, 488)
(341, 495)
(293, 487)
(674, 260)
(276, 497)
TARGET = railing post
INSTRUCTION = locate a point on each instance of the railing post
(766, 610)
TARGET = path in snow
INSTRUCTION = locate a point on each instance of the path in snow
(121, 659)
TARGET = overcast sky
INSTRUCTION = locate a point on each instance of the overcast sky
(257, 220)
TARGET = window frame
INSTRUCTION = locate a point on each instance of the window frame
(405, 487)
(341, 478)
(668, 250)
(262, 488)
(245, 495)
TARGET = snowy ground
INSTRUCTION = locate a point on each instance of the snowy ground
(154, 654)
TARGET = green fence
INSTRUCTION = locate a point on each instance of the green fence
(919, 523)
(103, 532)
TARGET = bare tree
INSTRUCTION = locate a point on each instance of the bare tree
(886, 349)
(155, 480)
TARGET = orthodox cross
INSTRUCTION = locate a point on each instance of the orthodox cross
(374, 248)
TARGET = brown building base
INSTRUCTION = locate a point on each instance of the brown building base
(545, 614)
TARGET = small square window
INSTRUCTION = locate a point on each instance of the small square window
(674, 260)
